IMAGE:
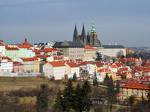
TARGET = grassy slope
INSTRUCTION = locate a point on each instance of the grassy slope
(8, 84)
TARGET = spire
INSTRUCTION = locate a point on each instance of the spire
(83, 34)
(92, 28)
(75, 33)
(25, 40)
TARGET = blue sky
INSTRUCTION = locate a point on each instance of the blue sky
(126, 22)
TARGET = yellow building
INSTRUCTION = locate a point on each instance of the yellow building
(31, 65)
(135, 89)
(89, 53)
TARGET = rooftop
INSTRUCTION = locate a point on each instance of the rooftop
(68, 44)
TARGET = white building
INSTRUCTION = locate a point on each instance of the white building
(55, 69)
(6, 65)
(71, 69)
(112, 50)
(2, 48)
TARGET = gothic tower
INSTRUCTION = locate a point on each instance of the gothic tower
(75, 34)
(90, 38)
(83, 35)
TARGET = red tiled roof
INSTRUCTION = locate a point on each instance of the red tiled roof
(89, 47)
(57, 63)
(118, 64)
(113, 66)
(135, 85)
(58, 57)
(5, 57)
(146, 69)
(11, 47)
(122, 70)
(25, 44)
(48, 50)
(129, 59)
(42, 56)
(30, 59)
(2, 43)
(16, 63)
(37, 51)
(99, 64)
(137, 68)
(144, 78)
(72, 64)
(104, 70)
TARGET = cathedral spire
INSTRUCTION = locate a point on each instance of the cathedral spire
(83, 35)
(83, 31)
(25, 40)
(75, 34)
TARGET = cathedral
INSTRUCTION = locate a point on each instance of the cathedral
(87, 39)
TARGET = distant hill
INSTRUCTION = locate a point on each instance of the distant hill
(140, 48)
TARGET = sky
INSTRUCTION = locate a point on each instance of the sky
(125, 22)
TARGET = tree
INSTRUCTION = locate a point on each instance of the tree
(68, 96)
(98, 56)
(148, 96)
(74, 77)
(114, 60)
(86, 89)
(59, 103)
(106, 79)
(120, 54)
(117, 87)
(42, 99)
(78, 104)
(131, 101)
(95, 80)
(111, 92)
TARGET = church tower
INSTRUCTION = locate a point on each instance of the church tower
(90, 38)
(83, 35)
(75, 34)
(94, 41)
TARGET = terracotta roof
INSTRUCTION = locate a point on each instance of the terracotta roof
(146, 69)
(5, 57)
(30, 59)
(137, 68)
(48, 50)
(57, 63)
(144, 78)
(129, 59)
(25, 44)
(99, 64)
(42, 56)
(11, 47)
(58, 57)
(122, 70)
(104, 70)
(147, 64)
(72, 64)
(2, 43)
(118, 64)
(135, 85)
(16, 63)
(113, 66)
(89, 47)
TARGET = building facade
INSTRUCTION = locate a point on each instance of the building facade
(55, 69)
(72, 50)
(112, 50)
